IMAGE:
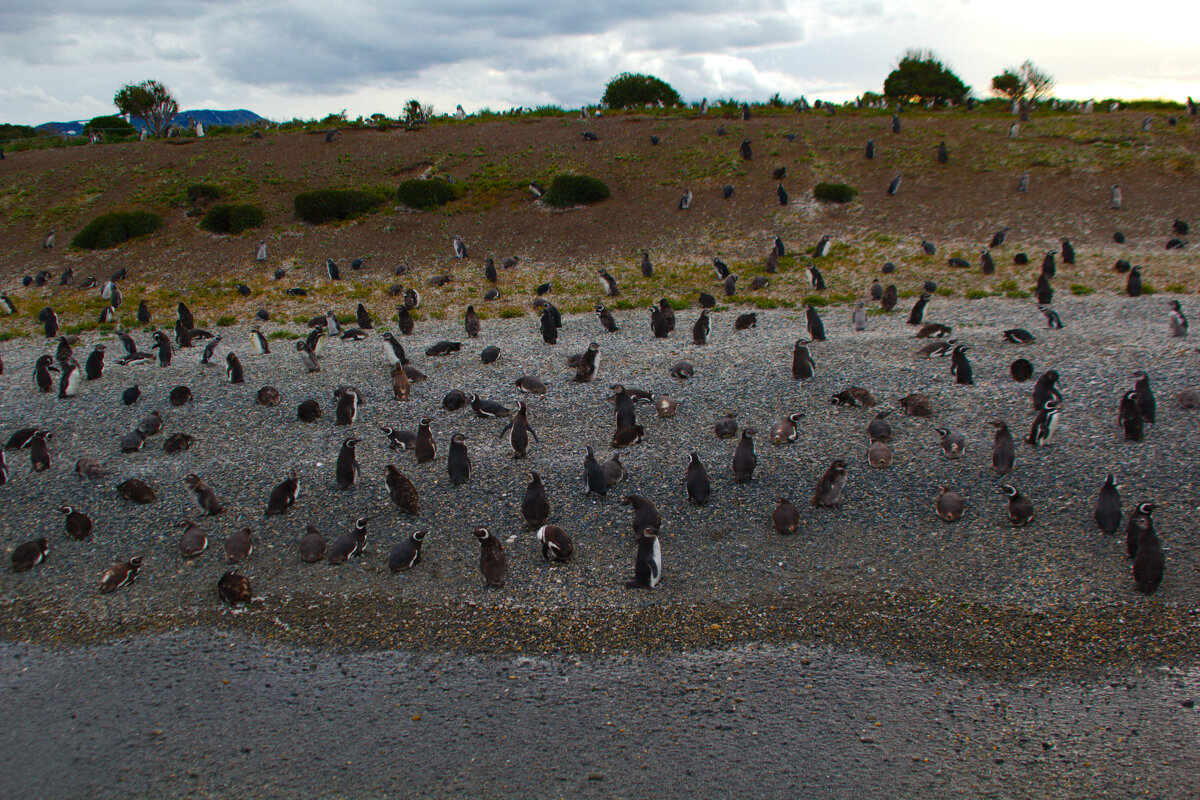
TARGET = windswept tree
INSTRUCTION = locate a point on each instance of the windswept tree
(922, 77)
(632, 89)
(1026, 84)
(150, 102)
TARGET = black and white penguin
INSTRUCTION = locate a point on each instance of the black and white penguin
(646, 266)
(731, 285)
(943, 153)
(535, 507)
(131, 395)
(1131, 417)
(346, 411)
(555, 542)
(777, 247)
(815, 279)
(594, 482)
(193, 541)
(3, 469)
(308, 358)
(658, 323)
(745, 150)
(781, 194)
(120, 574)
(683, 370)
(28, 555)
(1148, 563)
(823, 247)
(895, 126)
(347, 468)
(812, 320)
(917, 315)
(49, 320)
(706, 300)
(1048, 266)
(233, 369)
(162, 343)
(493, 563)
(588, 363)
(1133, 284)
(1018, 336)
(1145, 396)
(1045, 425)
(203, 495)
(744, 459)
(548, 329)
(1053, 321)
(519, 431)
(829, 488)
(1139, 521)
(696, 481)
(424, 448)
(406, 553)
(803, 366)
(94, 368)
(999, 236)
(647, 566)
(7, 306)
(1020, 509)
(1108, 506)
(1177, 323)
(41, 373)
(701, 328)
(78, 525)
(609, 283)
(70, 380)
(894, 186)
(393, 350)
(960, 367)
(332, 271)
(458, 460)
(210, 350)
(487, 409)
(350, 544)
(685, 200)
(1046, 389)
(953, 444)
(614, 470)
(258, 342)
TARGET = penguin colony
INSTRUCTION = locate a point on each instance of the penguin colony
(598, 476)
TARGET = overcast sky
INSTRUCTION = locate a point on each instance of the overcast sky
(64, 60)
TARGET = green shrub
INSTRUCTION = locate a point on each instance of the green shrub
(570, 190)
(977, 294)
(816, 301)
(1147, 289)
(204, 191)
(511, 313)
(1175, 288)
(226, 320)
(112, 126)
(1007, 286)
(325, 205)
(945, 291)
(109, 230)
(275, 336)
(834, 192)
(426, 194)
(1017, 294)
(229, 218)
(1079, 290)
(635, 89)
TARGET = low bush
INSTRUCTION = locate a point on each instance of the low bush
(326, 205)
(834, 192)
(977, 294)
(229, 218)
(204, 191)
(572, 190)
(111, 229)
(226, 320)
(1079, 290)
(426, 194)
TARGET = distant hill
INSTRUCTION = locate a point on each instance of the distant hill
(206, 117)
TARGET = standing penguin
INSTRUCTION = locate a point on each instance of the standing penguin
(1108, 506)
(1048, 266)
(744, 459)
(889, 298)
(95, 363)
(816, 328)
(471, 322)
(1114, 196)
(41, 373)
(258, 342)
(701, 329)
(458, 461)
(609, 283)
(347, 464)
(646, 265)
(645, 515)
(1020, 510)
(699, 489)
(493, 564)
(1131, 417)
(586, 369)
(346, 411)
(594, 482)
(1068, 252)
(1139, 521)
(233, 369)
(987, 264)
(858, 319)
(519, 431)
(1133, 284)
(70, 380)
(803, 366)
(548, 327)
(829, 488)
(917, 315)
(1145, 396)
(1046, 389)
(1003, 451)
(1045, 425)
(658, 323)
(535, 507)
(1148, 563)
(401, 490)
(960, 367)
(406, 554)
(647, 567)
(606, 319)
(1177, 323)
(424, 447)
(203, 495)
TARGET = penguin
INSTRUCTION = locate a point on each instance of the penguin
(1023, 182)
(875, 290)
(606, 319)
(624, 437)
(6, 304)
(730, 285)
(917, 315)
(493, 564)
(193, 541)
(402, 491)
(94, 368)
(1177, 323)
(858, 319)
(879, 455)
(816, 328)
(727, 191)
(404, 321)
(696, 481)
(183, 336)
(1114, 196)
(889, 299)
(829, 488)
(803, 366)
(363, 318)
(131, 395)
(350, 544)
(1020, 510)
(203, 495)
(471, 322)
(530, 385)
(347, 468)
(548, 329)
(853, 396)
(960, 367)
(1068, 252)
(1148, 563)
(308, 411)
(726, 427)
(950, 505)
(772, 263)
(120, 574)
(393, 350)
(781, 194)
(668, 313)
(894, 185)
(210, 350)
(1046, 389)
(932, 329)
(28, 555)
(4, 469)
(239, 545)
(1019, 336)
(815, 278)
(609, 283)
(785, 430)
(1133, 284)
(233, 369)
(70, 379)
(953, 444)
(1108, 506)
(1048, 266)
(870, 150)
(258, 342)
(1145, 396)
(39, 451)
(1045, 425)
(665, 406)
(556, 542)
(332, 271)
(1003, 451)
(399, 439)
(683, 370)
(88, 468)
(745, 150)
(646, 266)
(647, 568)
(1131, 417)
(745, 321)
(233, 588)
(133, 441)
(535, 507)
(1188, 398)
(701, 329)
(179, 396)
(458, 462)
(487, 409)
(284, 495)
(744, 459)
(136, 490)
(346, 411)
(184, 316)
(406, 553)
(706, 300)
(177, 443)
(163, 345)
(1140, 520)
(658, 323)
(822, 249)
(49, 320)
(519, 431)
(614, 470)
(685, 200)
(401, 385)
(943, 154)
(587, 364)
(424, 446)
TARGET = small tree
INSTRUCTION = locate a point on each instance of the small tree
(1026, 84)
(921, 76)
(631, 89)
(150, 102)
(415, 113)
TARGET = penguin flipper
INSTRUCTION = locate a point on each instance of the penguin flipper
(546, 552)
(533, 433)
(504, 430)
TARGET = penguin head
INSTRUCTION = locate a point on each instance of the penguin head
(65, 509)
(360, 524)
(482, 534)
(418, 536)
(1146, 509)
(458, 438)
(425, 421)
(1007, 490)
(351, 442)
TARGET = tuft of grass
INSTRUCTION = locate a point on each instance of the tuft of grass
(1079, 290)
(1175, 288)
(1017, 294)
(511, 313)
(1007, 286)
(1147, 289)
(765, 302)
(427, 193)
(977, 294)
(816, 301)
(275, 336)
(225, 320)
(945, 291)
(834, 192)
(622, 305)
(842, 297)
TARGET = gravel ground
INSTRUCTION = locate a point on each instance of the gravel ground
(881, 572)
(196, 715)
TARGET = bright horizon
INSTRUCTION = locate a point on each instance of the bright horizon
(66, 63)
